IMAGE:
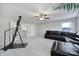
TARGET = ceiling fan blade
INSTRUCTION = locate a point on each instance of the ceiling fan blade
(45, 15)
(47, 18)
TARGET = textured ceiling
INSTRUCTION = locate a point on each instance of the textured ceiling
(28, 10)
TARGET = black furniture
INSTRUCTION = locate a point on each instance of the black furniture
(66, 43)
(64, 49)
(60, 35)
(56, 35)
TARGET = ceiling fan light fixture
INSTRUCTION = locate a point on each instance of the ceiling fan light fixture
(42, 16)
(41, 19)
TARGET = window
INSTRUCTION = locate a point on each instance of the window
(24, 27)
(66, 27)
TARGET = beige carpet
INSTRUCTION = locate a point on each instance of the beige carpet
(36, 47)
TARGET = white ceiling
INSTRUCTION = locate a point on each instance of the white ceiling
(28, 10)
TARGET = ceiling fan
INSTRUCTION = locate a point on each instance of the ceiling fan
(42, 16)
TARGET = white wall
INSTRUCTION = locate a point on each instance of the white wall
(4, 25)
(31, 30)
(54, 25)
